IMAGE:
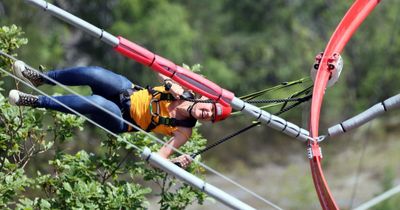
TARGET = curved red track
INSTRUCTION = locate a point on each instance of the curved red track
(349, 24)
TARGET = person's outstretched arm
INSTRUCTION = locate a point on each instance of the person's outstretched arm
(179, 138)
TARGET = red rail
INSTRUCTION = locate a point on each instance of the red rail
(181, 75)
(349, 24)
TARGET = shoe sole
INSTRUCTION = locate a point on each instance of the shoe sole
(19, 67)
(13, 97)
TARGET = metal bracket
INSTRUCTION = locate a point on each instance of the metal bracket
(317, 139)
(314, 152)
(335, 66)
(321, 138)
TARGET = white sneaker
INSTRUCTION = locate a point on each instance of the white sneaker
(18, 98)
(29, 75)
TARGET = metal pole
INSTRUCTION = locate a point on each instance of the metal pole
(181, 75)
(271, 120)
(75, 21)
(166, 165)
(378, 199)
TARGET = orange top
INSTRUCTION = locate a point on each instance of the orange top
(140, 110)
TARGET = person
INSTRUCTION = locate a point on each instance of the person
(160, 109)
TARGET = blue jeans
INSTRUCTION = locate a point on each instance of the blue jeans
(106, 87)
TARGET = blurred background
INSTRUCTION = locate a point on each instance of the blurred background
(246, 46)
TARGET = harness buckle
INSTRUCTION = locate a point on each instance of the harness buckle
(156, 101)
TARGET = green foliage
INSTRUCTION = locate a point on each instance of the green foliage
(145, 22)
(63, 128)
(82, 180)
(10, 38)
(77, 186)
(244, 46)
(12, 182)
(173, 194)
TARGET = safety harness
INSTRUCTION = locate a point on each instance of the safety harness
(168, 121)
(157, 97)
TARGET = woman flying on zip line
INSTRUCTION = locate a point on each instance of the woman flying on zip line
(160, 109)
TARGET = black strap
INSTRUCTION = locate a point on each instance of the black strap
(151, 90)
(187, 123)
(166, 97)
(124, 98)
(163, 96)
(126, 94)
(186, 95)
(285, 109)
(151, 126)
(224, 139)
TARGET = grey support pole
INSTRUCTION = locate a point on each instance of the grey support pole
(166, 165)
(238, 104)
(271, 120)
(366, 116)
(77, 22)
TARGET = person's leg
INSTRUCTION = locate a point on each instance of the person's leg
(86, 108)
(102, 82)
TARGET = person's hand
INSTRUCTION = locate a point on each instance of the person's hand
(182, 161)
(176, 90)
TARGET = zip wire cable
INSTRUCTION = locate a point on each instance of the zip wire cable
(136, 127)
(279, 100)
(78, 114)
(359, 168)
(226, 138)
(70, 109)
(274, 88)
(378, 199)
(389, 44)
(136, 147)
(252, 101)
(90, 102)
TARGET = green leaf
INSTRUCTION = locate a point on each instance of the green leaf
(44, 204)
(67, 187)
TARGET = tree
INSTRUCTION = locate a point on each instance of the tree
(107, 179)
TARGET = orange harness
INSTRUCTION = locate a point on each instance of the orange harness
(149, 110)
